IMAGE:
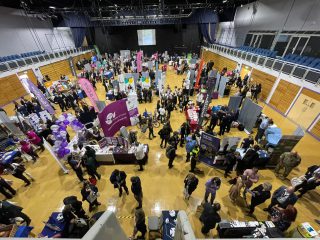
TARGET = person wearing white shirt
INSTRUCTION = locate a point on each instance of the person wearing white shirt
(162, 113)
(199, 99)
(140, 155)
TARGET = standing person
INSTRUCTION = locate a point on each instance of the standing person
(223, 125)
(234, 191)
(90, 162)
(9, 211)
(249, 159)
(257, 92)
(247, 142)
(191, 143)
(150, 127)
(171, 154)
(35, 139)
(190, 184)
(262, 128)
(140, 155)
(90, 193)
(231, 160)
(76, 166)
(283, 197)
(194, 158)
(118, 179)
(165, 134)
(140, 224)
(137, 190)
(174, 140)
(18, 170)
(212, 185)
(251, 176)
(210, 217)
(6, 189)
(283, 217)
(260, 194)
(162, 114)
(170, 108)
(27, 149)
(182, 133)
(214, 120)
(288, 161)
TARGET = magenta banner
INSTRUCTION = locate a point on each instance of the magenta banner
(89, 90)
(115, 115)
(139, 61)
(39, 95)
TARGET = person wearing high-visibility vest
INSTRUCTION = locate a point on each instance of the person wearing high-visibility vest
(194, 157)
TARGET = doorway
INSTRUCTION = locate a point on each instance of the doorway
(245, 70)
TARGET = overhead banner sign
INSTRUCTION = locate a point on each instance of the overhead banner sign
(117, 114)
(90, 92)
(38, 94)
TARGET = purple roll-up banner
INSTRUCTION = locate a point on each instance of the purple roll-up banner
(38, 94)
(115, 115)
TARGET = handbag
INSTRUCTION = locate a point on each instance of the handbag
(92, 197)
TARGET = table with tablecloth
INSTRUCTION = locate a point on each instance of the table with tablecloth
(168, 225)
(53, 221)
(192, 117)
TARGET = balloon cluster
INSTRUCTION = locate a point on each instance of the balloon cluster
(60, 134)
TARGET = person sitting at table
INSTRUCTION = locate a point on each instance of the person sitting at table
(90, 193)
(212, 185)
(260, 194)
(247, 142)
(118, 179)
(210, 217)
(283, 217)
(139, 224)
(9, 211)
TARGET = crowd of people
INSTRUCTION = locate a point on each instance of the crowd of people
(82, 158)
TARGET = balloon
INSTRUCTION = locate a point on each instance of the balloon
(71, 118)
(66, 151)
(66, 122)
(63, 133)
(61, 118)
(65, 115)
(64, 144)
(54, 127)
(62, 128)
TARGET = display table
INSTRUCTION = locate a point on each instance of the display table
(264, 157)
(105, 155)
(238, 229)
(49, 232)
(168, 227)
(193, 118)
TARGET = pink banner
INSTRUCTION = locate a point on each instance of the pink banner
(89, 90)
(139, 61)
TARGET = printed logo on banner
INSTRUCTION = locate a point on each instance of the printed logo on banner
(110, 118)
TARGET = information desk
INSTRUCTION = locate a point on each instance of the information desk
(168, 227)
(238, 229)
(117, 155)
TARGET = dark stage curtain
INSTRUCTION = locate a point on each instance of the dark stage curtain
(78, 35)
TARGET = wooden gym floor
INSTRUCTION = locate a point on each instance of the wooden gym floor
(162, 188)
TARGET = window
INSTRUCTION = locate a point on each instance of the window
(300, 46)
(281, 44)
(291, 46)
(248, 40)
(312, 48)
(266, 41)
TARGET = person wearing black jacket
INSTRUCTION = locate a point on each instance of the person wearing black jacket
(89, 193)
(75, 165)
(165, 134)
(137, 190)
(174, 140)
(118, 179)
(260, 194)
(231, 160)
(6, 189)
(182, 134)
(251, 156)
(190, 184)
(214, 120)
(59, 100)
(9, 211)
(171, 154)
(210, 217)
(223, 125)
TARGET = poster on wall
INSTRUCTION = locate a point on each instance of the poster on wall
(145, 80)
(118, 114)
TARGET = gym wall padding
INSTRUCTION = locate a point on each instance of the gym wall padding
(10, 89)
(31, 76)
(219, 61)
(266, 81)
(316, 129)
(54, 70)
(234, 103)
(284, 95)
(249, 114)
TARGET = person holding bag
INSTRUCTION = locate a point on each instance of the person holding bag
(90, 193)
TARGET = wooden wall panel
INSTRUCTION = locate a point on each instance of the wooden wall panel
(284, 95)
(311, 94)
(10, 89)
(219, 61)
(316, 129)
(31, 75)
(266, 81)
(54, 70)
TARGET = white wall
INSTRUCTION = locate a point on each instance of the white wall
(225, 34)
(20, 34)
(278, 15)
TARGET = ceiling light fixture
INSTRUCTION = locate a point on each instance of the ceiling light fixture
(224, 1)
(52, 7)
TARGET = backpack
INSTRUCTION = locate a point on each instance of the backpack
(169, 151)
